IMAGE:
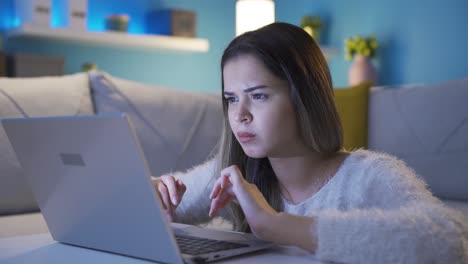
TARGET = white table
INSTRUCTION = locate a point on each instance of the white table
(41, 248)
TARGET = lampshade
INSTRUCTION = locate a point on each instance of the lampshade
(253, 14)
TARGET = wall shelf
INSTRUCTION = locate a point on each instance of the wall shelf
(124, 40)
(113, 39)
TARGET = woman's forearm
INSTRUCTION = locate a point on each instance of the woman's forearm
(289, 229)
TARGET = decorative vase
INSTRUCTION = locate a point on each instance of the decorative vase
(361, 70)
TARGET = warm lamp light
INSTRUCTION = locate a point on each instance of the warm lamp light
(253, 14)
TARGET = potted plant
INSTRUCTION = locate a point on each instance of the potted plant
(361, 49)
(312, 25)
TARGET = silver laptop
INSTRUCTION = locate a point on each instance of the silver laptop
(92, 184)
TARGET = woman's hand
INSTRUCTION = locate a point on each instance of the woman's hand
(232, 186)
(170, 192)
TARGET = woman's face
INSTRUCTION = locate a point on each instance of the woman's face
(260, 111)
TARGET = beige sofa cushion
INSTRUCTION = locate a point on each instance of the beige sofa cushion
(427, 127)
(34, 97)
(177, 129)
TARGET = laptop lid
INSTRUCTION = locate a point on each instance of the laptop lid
(78, 170)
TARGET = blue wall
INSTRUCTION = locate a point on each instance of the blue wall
(421, 42)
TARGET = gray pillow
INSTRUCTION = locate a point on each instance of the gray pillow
(426, 126)
(176, 129)
(34, 97)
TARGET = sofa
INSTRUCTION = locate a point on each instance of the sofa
(425, 125)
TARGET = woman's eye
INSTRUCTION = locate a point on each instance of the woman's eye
(230, 99)
(260, 96)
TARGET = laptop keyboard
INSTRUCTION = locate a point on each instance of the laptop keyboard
(198, 246)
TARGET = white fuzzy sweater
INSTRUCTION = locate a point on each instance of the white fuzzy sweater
(374, 210)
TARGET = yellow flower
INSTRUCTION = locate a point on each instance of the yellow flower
(366, 46)
(366, 52)
(362, 45)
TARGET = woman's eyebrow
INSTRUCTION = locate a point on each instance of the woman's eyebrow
(248, 90)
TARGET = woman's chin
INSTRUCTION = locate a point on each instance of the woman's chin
(256, 154)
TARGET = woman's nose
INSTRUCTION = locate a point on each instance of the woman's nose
(243, 114)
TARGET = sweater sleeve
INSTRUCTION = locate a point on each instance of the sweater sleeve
(398, 222)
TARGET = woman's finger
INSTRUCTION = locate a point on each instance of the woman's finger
(225, 182)
(220, 184)
(216, 189)
(221, 201)
(234, 174)
(166, 200)
(171, 186)
(223, 189)
(159, 195)
(181, 188)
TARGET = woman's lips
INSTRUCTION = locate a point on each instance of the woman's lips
(245, 137)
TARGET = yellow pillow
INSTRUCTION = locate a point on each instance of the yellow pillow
(352, 105)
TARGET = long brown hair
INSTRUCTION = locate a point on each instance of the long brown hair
(290, 54)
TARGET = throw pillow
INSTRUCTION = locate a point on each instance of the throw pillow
(352, 105)
(177, 129)
(34, 97)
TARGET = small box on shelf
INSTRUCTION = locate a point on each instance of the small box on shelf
(172, 22)
(117, 22)
(70, 13)
(78, 13)
(33, 12)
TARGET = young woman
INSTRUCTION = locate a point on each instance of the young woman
(281, 172)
